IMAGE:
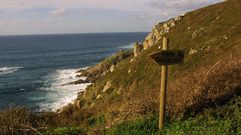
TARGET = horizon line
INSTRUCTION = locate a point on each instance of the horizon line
(43, 34)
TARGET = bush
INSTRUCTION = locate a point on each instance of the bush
(65, 131)
(216, 121)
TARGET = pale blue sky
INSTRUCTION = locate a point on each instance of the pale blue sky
(89, 16)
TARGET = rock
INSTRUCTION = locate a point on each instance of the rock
(194, 34)
(178, 18)
(129, 71)
(81, 93)
(145, 45)
(92, 104)
(107, 86)
(192, 51)
(137, 49)
(98, 97)
(225, 37)
(119, 92)
(80, 81)
(188, 28)
(159, 30)
(132, 60)
(182, 15)
(85, 93)
(79, 104)
(76, 103)
(166, 28)
(172, 23)
(151, 42)
(99, 70)
(112, 68)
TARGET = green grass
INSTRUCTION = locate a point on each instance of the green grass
(65, 131)
(135, 95)
(225, 120)
(96, 120)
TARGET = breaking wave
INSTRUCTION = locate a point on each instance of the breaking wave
(129, 46)
(58, 94)
(8, 70)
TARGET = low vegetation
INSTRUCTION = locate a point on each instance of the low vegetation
(220, 120)
(203, 92)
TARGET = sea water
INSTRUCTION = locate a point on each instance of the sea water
(34, 68)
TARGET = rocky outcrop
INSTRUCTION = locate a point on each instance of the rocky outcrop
(77, 82)
(159, 30)
(137, 49)
(112, 68)
(107, 65)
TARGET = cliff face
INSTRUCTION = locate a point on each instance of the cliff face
(211, 73)
(159, 30)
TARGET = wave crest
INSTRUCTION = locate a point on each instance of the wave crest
(58, 94)
(8, 70)
(129, 46)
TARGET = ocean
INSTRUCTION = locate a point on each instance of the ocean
(34, 68)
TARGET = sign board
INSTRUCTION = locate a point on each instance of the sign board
(168, 57)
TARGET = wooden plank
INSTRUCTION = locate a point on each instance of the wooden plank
(168, 57)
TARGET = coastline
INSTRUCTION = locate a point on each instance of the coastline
(64, 92)
(89, 75)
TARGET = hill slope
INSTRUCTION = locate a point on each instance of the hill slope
(126, 85)
(211, 38)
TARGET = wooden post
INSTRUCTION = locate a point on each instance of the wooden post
(164, 58)
(163, 88)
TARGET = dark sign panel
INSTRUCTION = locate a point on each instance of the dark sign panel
(168, 57)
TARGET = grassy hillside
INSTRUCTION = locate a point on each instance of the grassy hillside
(223, 120)
(208, 77)
(125, 101)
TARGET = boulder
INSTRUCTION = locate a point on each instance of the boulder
(107, 86)
(98, 97)
(112, 68)
(192, 51)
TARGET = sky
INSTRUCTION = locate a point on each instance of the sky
(89, 16)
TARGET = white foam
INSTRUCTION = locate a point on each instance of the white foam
(129, 46)
(8, 70)
(58, 94)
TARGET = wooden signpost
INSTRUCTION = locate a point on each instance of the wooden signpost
(164, 58)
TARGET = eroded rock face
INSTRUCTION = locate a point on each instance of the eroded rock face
(159, 30)
(137, 49)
